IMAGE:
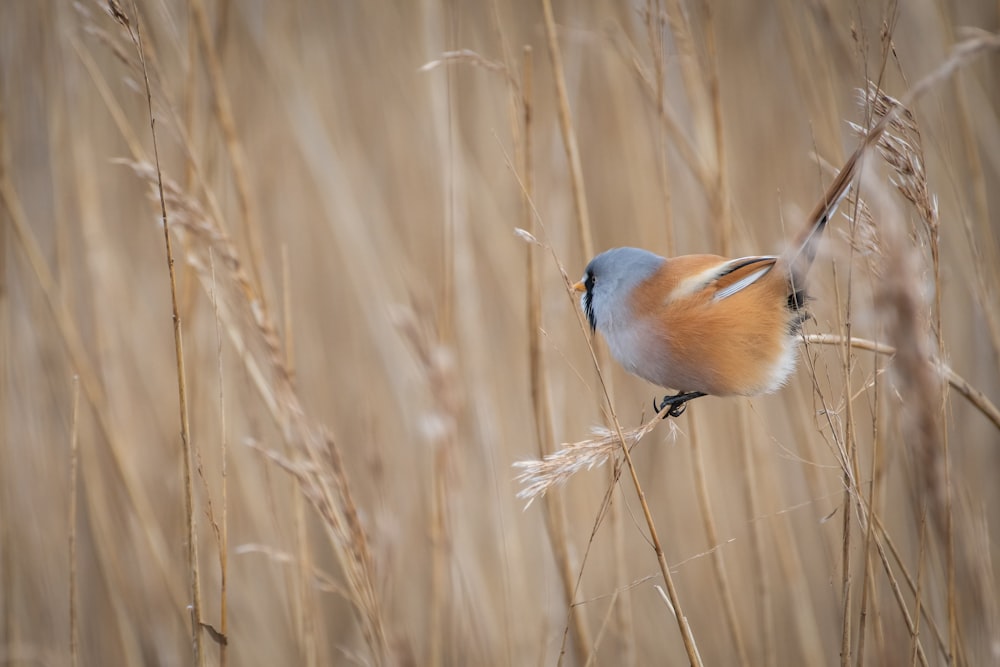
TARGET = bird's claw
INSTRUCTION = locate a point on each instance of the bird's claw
(675, 411)
(677, 402)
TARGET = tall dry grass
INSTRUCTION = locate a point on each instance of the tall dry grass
(369, 347)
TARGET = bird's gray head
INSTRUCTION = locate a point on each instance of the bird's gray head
(610, 278)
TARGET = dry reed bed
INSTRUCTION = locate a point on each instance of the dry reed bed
(369, 347)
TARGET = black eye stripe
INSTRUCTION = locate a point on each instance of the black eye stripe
(588, 302)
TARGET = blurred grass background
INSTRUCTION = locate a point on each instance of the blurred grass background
(372, 204)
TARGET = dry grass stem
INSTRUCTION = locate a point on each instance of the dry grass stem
(237, 157)
(74, 454)
(89, 378)
(470, 57)
(975, 397)
(339, 182)
(319, 468)
(909, 329)
(673, 612)
(605, 624)
(555, 511)
(440, 426)
(187, 449)
(224, 473)
(712, 535)
(539, 476)
(568, 134)
(600, 357)
(655, 27)
(721, 206)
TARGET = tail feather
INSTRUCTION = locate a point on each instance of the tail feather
(803, 251)
(798, 260)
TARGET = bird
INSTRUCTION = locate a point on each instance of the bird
(709, 325)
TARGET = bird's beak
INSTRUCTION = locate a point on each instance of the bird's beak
(579, 287)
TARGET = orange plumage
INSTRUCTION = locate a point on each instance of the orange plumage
(724, 347)
(704, 324)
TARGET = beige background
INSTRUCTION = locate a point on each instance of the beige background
(381, 193)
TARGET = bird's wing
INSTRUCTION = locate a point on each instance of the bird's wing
(712, 277)
(738, 274)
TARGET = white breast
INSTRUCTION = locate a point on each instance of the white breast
(784, 367)
(624, 338)
(629, 346)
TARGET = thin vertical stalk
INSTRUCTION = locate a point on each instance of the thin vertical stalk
(690, 67)
(186, 119)
(90, 384)
(192, 533)
(934, 232)
(918, 597)
(8, 628)
(850, 463)
(575, 168)
(654, 33)
(583, 220)
(446, 319)
(74, 451)
(721, 207)
(568, 134)
(224, 455)
(435, 650)
(868, 585)
(438, 530)
(718, 565)
(237, 158)
(592, 659)
(762, 589)
(579, 200)
(304, 611)
(849, 445)
(555, 510)
(513, 114)
(985, 250)
(682, 623)
(687, 636)
(93, 389)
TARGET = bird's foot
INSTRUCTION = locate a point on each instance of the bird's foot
(678, 403)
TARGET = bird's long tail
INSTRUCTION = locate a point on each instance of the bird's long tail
(801, 254)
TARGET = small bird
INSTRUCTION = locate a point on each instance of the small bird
(704, 324)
